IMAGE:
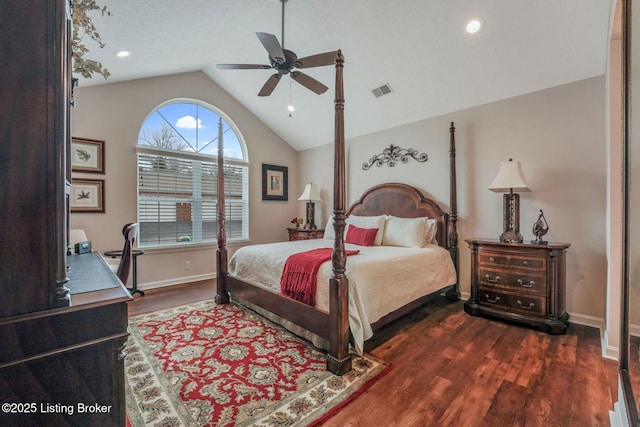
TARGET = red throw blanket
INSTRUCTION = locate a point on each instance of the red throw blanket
(300, 272)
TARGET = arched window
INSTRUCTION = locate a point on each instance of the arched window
(177, 176)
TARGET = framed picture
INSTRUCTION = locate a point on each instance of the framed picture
(275, 185)
(87, 155)
(87, 195)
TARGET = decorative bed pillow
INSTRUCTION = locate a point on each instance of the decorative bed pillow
(361, 236)
(369, 222)
(359, 221)
(405, 232)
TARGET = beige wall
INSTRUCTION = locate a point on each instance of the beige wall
(559, 136)
(114, 113)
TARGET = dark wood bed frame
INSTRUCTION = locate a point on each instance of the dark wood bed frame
(393, 199)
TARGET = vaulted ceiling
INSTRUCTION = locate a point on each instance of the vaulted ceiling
(418, 47)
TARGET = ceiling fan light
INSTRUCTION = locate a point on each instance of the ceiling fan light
(474, 25)
(283, 61)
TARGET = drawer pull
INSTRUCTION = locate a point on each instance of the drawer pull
(525, 262)
(531, 305)
(492, 259)
(531, 283)
(508, 257)
(493, 301)
(489, 279)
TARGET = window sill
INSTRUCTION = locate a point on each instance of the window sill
(190, 247)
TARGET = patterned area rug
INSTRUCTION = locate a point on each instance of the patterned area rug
(223, 365)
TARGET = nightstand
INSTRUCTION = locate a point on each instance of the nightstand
(521, 282)
(303, 234)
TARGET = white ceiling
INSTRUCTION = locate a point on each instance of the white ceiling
(418, 47)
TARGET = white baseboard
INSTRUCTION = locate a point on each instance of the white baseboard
(583, 319)
(175, 281)
(608, 351)
(618, 417)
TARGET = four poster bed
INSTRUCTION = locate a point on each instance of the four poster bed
(383, 282)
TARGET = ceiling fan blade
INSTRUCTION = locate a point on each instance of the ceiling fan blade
(271, 43)
(243, 67)
(319, 60)
(309, 82)
(270, 85)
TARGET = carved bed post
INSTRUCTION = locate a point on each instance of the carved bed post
(339, 358)
(222, 296)
(452, 232)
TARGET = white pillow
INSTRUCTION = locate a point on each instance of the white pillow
(430, 232)
(329, 232)
(405, 232)
(358, 221)
(410, 232)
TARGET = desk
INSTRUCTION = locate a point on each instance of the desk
(135, 253)
(89, 272)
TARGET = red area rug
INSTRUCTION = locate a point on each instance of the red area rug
(223, 365)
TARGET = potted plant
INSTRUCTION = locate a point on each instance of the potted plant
(81, 11)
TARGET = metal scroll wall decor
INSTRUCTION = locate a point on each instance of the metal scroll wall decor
(393, 154)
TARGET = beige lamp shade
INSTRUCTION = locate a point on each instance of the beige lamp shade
(509, 178)
(310, 193)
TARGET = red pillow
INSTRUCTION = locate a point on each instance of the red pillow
(361, 236)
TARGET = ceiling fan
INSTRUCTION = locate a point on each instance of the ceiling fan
(285, 62)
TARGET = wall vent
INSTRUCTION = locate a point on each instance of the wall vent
(385, 89)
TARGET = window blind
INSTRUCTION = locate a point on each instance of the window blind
(177, 200)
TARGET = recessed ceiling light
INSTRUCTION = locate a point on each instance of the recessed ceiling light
(474, 25)
(123, 53)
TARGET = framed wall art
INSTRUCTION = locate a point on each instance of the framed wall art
(87, 155)
(275, 185)
(87, 195)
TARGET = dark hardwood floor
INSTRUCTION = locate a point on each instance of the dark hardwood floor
(452, 369)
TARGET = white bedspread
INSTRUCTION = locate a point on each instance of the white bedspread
(381, 278)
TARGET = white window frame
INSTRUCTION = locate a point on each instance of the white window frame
(199, 198)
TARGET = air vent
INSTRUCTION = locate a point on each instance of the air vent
(382, 90)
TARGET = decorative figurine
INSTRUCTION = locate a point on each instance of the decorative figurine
(540, 228)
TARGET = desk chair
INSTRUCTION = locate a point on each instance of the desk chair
(129, 231)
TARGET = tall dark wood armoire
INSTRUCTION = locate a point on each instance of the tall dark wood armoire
(63, 319)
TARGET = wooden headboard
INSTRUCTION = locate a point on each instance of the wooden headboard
(403, 201)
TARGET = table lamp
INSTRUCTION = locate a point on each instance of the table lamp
(509, 180)
(310, 195)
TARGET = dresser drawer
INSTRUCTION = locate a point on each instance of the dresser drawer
(513, 279)
(532, 305)
(298, 236)
(520, 261)
(304, 234)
